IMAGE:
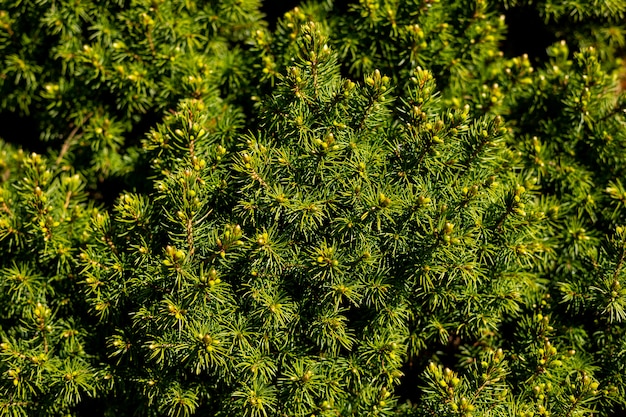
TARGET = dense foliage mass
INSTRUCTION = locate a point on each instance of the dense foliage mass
(379, 208)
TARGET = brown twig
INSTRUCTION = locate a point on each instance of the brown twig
(70, 137)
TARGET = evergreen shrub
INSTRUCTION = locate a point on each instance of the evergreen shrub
(383, 208)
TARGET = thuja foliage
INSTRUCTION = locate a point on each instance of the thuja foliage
(362, 209)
